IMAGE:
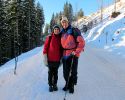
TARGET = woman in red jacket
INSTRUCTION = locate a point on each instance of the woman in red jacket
(52, 54)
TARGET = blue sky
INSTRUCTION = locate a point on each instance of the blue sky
(54, 6)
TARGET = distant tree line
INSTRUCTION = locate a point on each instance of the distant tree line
(68, 12)
(21, 24)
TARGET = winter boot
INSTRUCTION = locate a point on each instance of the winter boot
(71, 89)
(55, 88)
(66, 87)
(50, 89)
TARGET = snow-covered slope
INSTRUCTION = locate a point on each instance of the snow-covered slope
(101, 76)
(106, 13)
(109, 34)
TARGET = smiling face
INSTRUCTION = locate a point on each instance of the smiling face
(56, 30)
(65, 24)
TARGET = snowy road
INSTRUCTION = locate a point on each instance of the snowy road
(101, 76)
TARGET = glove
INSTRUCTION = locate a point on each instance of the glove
(45, 59)
(73, 53)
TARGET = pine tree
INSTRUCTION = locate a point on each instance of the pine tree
(46, 31)
(5, 41)
(28, 25)
(60, 17)
(1, 31)
(42, 23)
(70, 17)
(39, 24)
(80, 14)
(12, 9)
(31, 24)
(52, 22)
(21, 24)
(42, 18)
(68, 11)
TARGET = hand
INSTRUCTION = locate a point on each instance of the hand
(45, 59)
(73, 53)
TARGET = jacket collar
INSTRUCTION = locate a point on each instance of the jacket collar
(68, 30)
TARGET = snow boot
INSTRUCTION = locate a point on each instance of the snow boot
(71, 89)
(50, 89)
(65, 88)
(55, 88)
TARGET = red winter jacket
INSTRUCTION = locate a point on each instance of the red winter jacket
(53, 50)
(68, 42)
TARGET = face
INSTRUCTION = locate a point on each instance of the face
(56, 31)
(64, 24)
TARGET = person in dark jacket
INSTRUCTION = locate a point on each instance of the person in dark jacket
(52, 55)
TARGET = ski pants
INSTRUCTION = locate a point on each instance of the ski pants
(67, 67)
(53, 73)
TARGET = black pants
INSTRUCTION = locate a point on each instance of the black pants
(67, 67)
(53, 73)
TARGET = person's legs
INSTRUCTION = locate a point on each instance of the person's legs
(73, 77)
(50, 77)
(55, 73)
(74, 71)
(66, 70)
(66, 65)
